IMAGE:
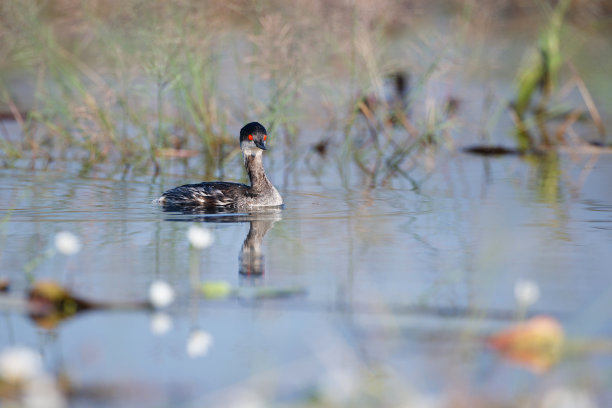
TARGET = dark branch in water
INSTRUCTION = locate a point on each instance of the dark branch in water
(484, 150)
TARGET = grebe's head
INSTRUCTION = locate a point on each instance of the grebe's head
(253, 138)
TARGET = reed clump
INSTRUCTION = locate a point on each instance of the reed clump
(537, 102)
(134, 84)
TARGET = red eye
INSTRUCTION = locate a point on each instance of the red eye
(250, 137)
(265, 137)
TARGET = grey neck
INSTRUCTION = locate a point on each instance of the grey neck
(255, 169)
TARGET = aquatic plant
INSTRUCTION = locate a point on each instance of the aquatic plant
(146, 90)
(136, 94)
(539, 75)
(542, 69)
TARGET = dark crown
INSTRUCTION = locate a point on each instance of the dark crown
(253, 128)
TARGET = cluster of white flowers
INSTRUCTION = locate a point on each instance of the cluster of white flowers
(161, 295)
(23, 367)
(338, 385)
(562, 397)
(198, 343)
(240, 397)
(43, 392)
(19, 364)
(200, 238)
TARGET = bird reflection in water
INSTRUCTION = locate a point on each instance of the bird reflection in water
(251, 258)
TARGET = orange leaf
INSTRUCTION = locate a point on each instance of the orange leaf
(535, 344)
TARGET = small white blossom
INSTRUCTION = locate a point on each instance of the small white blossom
(161, 323)
(67, 243)
(568, 398)
(526, 292)
(20, 364)
(339, 385)
(199, 343)
(161, 294)
(242, 397)
(43, 392)
(199, 237)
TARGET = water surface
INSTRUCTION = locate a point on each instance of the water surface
(392, 278)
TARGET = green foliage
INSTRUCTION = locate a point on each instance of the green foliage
(542, 68)
(540, 72)
(138, 84)
(134, 85)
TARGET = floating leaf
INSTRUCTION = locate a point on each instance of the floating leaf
(277, 293)
(222, 289)
(216, 290)
(535, 344)
(49, 304)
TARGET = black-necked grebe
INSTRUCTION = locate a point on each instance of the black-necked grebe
(225, 195)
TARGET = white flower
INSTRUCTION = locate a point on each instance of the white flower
(339, 385)
(161, 323)
(67, 243)
(567, 398)
(20, 364)
(42, 392)
(526, 292)
(199, 343)
(161, 294)
(199, 237)
(242, 397)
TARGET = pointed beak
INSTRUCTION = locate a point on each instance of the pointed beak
(260, 144)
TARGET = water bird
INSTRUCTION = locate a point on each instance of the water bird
(224, 195)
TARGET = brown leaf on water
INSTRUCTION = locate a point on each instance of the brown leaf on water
(535, 344)
(49, 303)
(5, 284)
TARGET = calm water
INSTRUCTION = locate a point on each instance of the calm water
(389, 276)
